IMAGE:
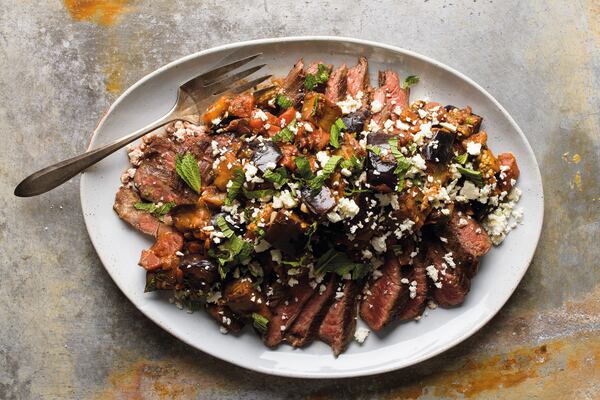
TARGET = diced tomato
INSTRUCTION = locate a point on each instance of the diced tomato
(286, 117)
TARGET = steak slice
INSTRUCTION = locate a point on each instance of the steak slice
(293, 83)
(225, 317)
(465, 237)
(124, 206)
(156, 178)
(203, 148)
(358, 77)
(286, 312)
(417, 298)
(339, 324)
(307, 324)
(384, 296)
(450, 285)
(390, 95)
(337, 84)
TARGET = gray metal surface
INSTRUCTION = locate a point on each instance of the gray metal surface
(67, 331)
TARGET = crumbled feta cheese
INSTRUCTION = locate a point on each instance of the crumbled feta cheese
(504, 218)
(261, 246)
(449, 126)
(258, 113)
(346, 172)
(378, 243)
(276, 256)
(347, 208)
(419, 162)
(473, 148)
(322, 157)
(376, 106)
(349, 105)
(469, 191)
(360, 335)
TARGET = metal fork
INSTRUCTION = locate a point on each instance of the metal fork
(201, 89)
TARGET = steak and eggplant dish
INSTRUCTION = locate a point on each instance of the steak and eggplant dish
(321, 200)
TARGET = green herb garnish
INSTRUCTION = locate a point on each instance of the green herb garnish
(187, 169)
(403, 164)
(231, 253)
(260, 323)
(353, 163)
(159, 211)
(236, 185)
(224, 227)
(318, 181)
(315, 107)
(257, 194)
(285, 135)
(313, 80)
(374, 149)
(279, 176)
(472, 175)
(462, 158)
(410, 80)
(283, 101)
(304, 169)
(334, 132)
(338, 262)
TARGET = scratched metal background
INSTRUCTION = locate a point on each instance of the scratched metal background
(67, 332)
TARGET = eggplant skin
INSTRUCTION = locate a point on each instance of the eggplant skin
(266, 155)
(380, 169)
(439, 149)
(287, 233)
(318, 202)
(355, 122)
(198, 272)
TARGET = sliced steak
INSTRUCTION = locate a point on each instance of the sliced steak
(307, 324)
(358, 77)
(449, 285)
(124, 206)
(293, 83)
(337, 84)
(383, 295)
(464, 236)
(286, 312)
(156, 178)
(162, 252)
(417, 298)
(389, 95)
(203, 148)
(339, 324)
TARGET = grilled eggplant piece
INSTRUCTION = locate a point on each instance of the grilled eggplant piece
(286, 233)
(318, 202)
(225, 317)
(244, 299)
(355, 122)
(198, 272)
(266, 155)
(439, 149)
(380, 168)
(160, 279)
(320, 111)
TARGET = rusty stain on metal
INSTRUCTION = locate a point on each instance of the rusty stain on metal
(103, 12)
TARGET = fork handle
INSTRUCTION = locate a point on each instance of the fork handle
(50, 177)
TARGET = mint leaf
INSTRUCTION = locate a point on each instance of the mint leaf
(318, 181)
(403, 164)
(338, 262)
(334, 132)
(224, 227)
(374, 149)
(303, 166)
(259, 322)
(159, 211)
(285, 135)
(257, 194)
(321, 76)
(410, 80)
(236, 185)
(278, 176)
(462, 158)
(187, 169)
(283, 101)
(472, 175)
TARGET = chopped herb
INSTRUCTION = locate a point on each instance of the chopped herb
(334, 132)
(224, 227)
(304, 169)
(260, 323)
(318, 181)
(187, 169)
(311, 231)
(469, 121)
(257, 194)
(283, 101)
(349, 192)
(403, 163)
(472, 175)
(353, 163)
(315, 106)
(412, 148)
(159, 211)
(232, 252)
(462, 158)
(236, 185)
(374, 149)
(313, 80)
(397, 249)
(278, 176)
(410, 80)
(285, 135)
(338, 262)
